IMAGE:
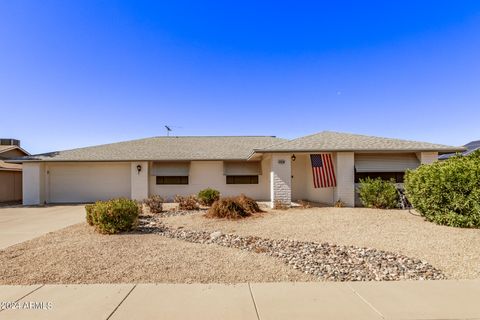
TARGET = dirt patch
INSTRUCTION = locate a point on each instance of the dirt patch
(452, 250)
(79, 255)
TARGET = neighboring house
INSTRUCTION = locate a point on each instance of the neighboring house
(10, 173)
(470, 147)
(262, 167)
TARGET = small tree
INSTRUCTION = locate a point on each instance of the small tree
(378, 193)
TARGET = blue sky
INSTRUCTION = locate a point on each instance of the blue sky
(79, 73)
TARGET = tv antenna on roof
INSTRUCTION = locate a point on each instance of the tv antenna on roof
(170, 128)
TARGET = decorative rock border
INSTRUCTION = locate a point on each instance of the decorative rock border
(171, 213)
(323, 260)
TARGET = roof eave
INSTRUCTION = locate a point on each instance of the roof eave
(16, 148)
(121, 160)
(358, 150)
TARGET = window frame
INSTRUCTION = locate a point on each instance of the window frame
(161, 180)
(237, 179)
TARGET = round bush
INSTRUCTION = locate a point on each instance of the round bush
(378, 193)
(89, 209)
(447, 192)
(114, 215)
(208, 196)
(227, 208)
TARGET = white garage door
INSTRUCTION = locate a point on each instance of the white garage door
(88, 182)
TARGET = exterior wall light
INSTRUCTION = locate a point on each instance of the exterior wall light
(293, 157)
(139, 168)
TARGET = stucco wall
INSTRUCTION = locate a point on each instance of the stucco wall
(302, 182)
(345, 190)
(139, 180)
(33, 180)
(204, 174)
(427, 157)
(299, 177)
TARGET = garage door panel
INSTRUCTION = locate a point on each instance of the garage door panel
(88, 182)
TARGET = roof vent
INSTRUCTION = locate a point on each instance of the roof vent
(9, 142)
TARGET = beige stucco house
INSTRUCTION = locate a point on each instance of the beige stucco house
(10, 173)
(263, 167)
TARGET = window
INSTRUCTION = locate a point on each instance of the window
(172, 179)
(397, 176)
(242, 179)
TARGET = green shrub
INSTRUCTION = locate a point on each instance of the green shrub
(114, 215)
(208, 196)
(227, 208)
(89, 210)
(378, 193)
(248, 204)
(186, 202)
(154, 203)
(447, 192)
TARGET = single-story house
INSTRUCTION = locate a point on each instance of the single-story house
(10, 173)
(470, 147)
(321, 167)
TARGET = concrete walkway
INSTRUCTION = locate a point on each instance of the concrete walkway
(19, 224)
(320, 300)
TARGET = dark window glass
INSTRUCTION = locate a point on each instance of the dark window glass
(397, 176)
(242, 179)
(172, 180)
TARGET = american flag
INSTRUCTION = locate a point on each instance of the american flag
(323, 172)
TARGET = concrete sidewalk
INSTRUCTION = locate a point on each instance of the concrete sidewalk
(319, 300)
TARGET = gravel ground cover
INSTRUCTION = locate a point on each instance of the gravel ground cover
(455, 251)
(79, 255)
(352, 244)
(325, 261)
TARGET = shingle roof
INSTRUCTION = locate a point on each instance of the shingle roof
(232, 147)
(337, 141)
(6, 148)
(165, 148)
(469, 148)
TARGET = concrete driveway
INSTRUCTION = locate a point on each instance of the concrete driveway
(19, 224)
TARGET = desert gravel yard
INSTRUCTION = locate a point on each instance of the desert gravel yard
(455, 251)
(77, 254)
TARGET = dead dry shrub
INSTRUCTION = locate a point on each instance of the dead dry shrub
(248, 204)
(154, 203)
(304, 204)
(279, 205)
(186, 202)
(339, 204)
(228, 208)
